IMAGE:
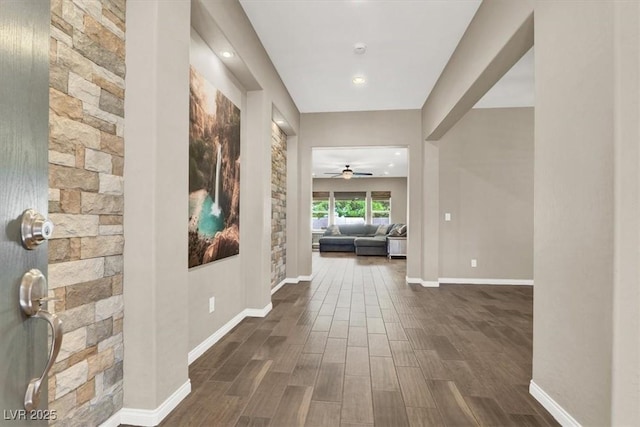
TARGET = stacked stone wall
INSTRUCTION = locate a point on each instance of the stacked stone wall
(86, 204)
(278, 205)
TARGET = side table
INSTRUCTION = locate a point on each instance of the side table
(396, 246)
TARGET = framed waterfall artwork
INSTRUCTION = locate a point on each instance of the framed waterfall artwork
(214, 173)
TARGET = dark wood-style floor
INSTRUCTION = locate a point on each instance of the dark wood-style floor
(357, 346)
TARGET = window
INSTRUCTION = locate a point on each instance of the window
(380, 207)
(320, 210)
(350, 207)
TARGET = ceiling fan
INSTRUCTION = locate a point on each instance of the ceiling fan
(347, 173)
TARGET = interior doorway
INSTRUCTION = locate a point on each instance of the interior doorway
(358, 193)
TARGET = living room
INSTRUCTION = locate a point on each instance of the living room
(371, 188)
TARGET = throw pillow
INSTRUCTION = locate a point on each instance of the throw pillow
(398, 230)
(394, 230)
(382, 230)
(332, 230)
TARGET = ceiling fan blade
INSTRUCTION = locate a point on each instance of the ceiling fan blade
(332, 173)
(363, 173)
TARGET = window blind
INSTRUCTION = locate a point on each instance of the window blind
(349, 195)
(380, 195)
(320, 195)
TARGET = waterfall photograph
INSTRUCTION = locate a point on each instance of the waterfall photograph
(214, 173)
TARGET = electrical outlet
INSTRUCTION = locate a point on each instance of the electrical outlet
(447, 217)
(212, 304)
(474, 263)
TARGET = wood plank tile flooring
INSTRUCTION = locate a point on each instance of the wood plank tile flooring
(359, 347)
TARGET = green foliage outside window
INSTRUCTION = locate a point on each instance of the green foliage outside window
(380, 208)
(320, 209)
(350, 208)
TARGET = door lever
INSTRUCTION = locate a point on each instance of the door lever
(33, 289)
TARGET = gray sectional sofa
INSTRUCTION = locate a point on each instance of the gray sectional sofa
(359, 238)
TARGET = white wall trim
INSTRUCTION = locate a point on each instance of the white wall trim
(423, 283)
(471, 281)
(214, 338)
(258, 312)
(305, 278)
(113, 421)
(277, 287)
(558, 412)
(205, 345)
(149, 417)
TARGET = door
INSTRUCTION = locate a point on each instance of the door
(24, 105)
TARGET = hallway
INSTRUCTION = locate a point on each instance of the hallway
(357, 346)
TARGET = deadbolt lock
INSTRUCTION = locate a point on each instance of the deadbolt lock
(35, 229)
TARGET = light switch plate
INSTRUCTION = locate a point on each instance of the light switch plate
(212, 304)
(447, 217)
(474, 263)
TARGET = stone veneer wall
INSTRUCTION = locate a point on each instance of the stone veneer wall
(278, 204)
(86, 149)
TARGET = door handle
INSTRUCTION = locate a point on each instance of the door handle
(33, 289)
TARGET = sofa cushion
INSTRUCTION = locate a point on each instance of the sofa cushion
(353, 229)
(336, 240)
(371, 241)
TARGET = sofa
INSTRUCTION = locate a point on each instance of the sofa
(363, 239)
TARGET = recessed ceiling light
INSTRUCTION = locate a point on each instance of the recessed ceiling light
(313, 174)
(227, 54)
(397, 153)
(386, 173)
(390, 165)
(359, 80)
(280, 122)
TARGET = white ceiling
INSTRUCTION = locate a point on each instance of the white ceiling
(409, 42)
(311, 45)
(383, 162)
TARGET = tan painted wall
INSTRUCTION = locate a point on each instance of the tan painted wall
(486, 184)
(362, 129)
(626, 319)
(156, 284)
(221, 279)
(397, 186)
(574, 206)
(168, 303)
(499, 34)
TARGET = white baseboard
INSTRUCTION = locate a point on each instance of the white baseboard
(293, 281)
(205, 345)
(471, 281)
(558, 412)
(277, 287)
(258, 312)
(305, 278)
(215, 337)
(113, 421)
(149, 417)
(423, 283)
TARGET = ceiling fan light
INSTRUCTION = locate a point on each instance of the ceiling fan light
(347, 174)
